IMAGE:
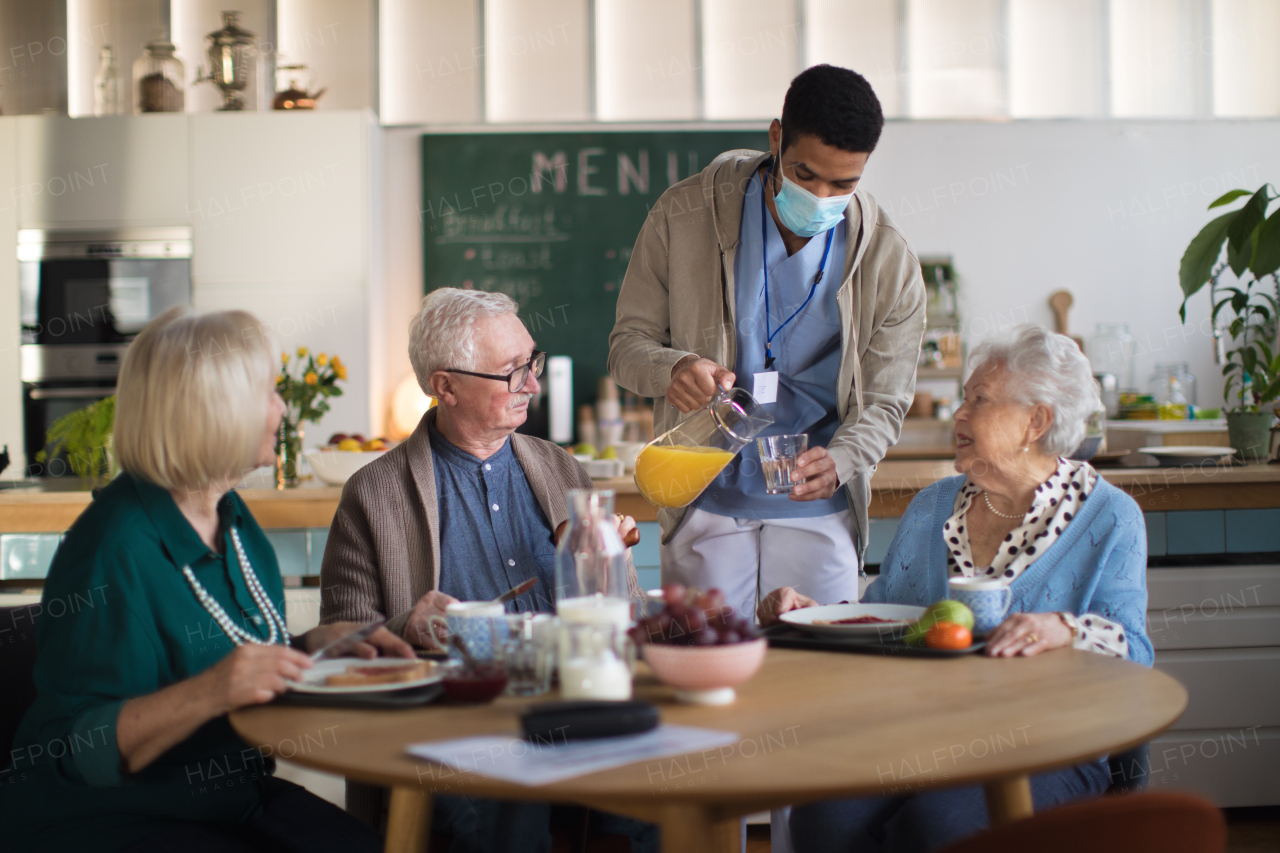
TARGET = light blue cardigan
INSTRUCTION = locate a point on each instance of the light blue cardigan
(1098, 564)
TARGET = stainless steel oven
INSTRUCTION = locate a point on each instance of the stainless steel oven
(84, 295)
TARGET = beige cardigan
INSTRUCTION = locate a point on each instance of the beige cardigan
(383, 552)
(677, 299)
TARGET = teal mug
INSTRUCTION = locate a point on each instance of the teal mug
(988, 599)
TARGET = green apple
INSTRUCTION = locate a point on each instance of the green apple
(945, 610)
(609, 452)
(585, 449)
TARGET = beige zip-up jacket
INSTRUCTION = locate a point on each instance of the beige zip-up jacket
(678, 299)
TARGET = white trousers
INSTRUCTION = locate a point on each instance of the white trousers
(747, 558)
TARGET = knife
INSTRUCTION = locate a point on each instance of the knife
(347, 642)
(516, 591)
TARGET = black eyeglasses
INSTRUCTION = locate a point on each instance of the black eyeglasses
(517, 378)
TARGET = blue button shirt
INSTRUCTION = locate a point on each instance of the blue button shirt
(493, 534)
(806, 352)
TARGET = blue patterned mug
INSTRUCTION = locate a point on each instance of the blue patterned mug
(473, 622)
(988, 599)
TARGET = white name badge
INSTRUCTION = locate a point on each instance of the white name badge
(766, 387)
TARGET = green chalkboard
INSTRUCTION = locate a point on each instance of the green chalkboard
(550, 220)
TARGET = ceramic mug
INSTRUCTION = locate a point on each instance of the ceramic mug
(988, 599)
(473, 622)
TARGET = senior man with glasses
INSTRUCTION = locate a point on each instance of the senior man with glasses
(465, 508)
(462, 510)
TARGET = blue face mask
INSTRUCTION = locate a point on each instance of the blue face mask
(804, 213)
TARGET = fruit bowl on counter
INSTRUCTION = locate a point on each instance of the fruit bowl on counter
(344, 455)
(699, 646)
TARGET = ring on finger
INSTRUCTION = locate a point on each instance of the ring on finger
(1033, 638)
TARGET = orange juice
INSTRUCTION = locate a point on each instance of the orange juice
(673, 475)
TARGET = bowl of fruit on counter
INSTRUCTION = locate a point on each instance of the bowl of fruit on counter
(697, 644)
(344, 455)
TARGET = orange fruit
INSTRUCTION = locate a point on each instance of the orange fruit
(948, 635)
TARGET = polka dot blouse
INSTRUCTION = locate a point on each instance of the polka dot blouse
(1057, 500)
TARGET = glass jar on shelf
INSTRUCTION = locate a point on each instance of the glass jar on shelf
(158, 79)
(1174, 388)
(1111, 350)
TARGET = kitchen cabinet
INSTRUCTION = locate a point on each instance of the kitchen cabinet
(1217, 630)
(281, 197)
(95, 172)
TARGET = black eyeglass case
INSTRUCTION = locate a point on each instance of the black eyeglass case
(557, 722)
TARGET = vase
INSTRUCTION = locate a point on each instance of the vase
(1250, 434)
(289, 454)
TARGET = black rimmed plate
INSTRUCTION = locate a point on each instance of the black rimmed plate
(783, 636)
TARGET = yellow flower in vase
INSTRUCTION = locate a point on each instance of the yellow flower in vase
(339, 369)
(284, 358)
(302, 352)
(310, 378)
(322, 359)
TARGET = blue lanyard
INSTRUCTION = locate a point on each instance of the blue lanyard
(764, 251)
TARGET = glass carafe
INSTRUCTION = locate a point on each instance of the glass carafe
(591, 563)
(674, 468)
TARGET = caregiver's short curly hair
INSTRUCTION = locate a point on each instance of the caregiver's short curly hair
(1043, 368)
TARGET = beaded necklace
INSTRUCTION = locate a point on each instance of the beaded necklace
(238, 635)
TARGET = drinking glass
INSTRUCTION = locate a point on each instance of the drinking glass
(778, 454)
(526, 645)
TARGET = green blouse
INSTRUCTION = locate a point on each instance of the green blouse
(119, 620)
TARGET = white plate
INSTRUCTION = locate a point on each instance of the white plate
(1188, 455)
(805, 618)
(313, 679)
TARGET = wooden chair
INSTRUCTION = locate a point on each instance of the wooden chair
(1137, 823)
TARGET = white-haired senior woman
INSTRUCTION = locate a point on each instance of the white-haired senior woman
(190, 625)
(1070, 547)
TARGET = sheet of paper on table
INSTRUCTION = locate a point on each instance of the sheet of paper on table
(524, 763)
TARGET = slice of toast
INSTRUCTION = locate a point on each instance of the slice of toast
(360, 676)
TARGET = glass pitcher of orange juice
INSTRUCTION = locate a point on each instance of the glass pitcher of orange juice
(674, 468)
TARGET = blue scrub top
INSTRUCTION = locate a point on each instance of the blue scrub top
(806, 352)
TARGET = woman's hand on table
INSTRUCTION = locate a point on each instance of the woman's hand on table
(254, 674)
(418, 630)
(819, 472)
(148, 726)
(381, 642)
(780, 601)
(1029, 634)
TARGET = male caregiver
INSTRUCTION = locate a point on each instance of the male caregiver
(772, 271)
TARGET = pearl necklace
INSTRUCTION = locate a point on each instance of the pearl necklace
(987, 498)
(238, 635)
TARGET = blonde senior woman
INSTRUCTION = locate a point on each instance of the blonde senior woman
(127, 746)
(1070, 547)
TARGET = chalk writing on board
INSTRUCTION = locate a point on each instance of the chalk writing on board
(507, 224)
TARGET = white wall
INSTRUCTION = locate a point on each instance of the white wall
(1104, 209)
(1101, 208)
(10, 322)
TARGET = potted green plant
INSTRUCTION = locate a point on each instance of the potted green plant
(1247, 242)
(84, 436)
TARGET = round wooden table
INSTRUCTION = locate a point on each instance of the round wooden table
(810, 726)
